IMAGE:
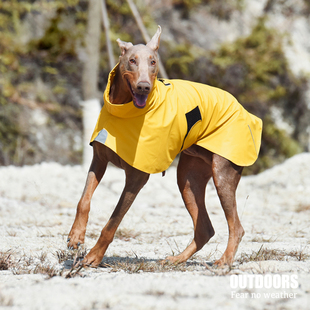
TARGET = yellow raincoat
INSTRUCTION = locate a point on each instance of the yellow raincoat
(178, 114)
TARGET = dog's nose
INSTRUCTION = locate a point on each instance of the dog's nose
(143, 87)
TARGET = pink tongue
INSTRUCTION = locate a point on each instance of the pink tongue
(140, 100)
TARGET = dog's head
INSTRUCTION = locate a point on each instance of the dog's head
(138, 65)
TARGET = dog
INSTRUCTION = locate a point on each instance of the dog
(144, 124)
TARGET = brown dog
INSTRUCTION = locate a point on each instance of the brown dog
(145, 123)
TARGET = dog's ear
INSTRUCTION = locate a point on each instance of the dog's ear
(154, 43)
(124, 46)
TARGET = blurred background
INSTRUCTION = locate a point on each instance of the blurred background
(55, 57)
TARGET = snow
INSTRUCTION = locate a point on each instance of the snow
(37, 209)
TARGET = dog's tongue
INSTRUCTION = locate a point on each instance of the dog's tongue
(139, 100)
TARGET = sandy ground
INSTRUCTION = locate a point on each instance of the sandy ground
(37, 208)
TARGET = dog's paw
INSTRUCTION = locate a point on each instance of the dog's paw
(92, 259)
(173, 259)
(166, 261)
(74, 242)
(223, 262)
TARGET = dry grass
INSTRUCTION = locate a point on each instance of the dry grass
(49, 271)
(156, 293)
(299, 255)
(262, 239)
(42, 257)
(126, 234)
(11, 233)
(272, 254)
(93, 235)
(136, 265)
(302, 208)
(122, 234)
(68, 264)
(6, 261)
(66, 255)
(6, 301)
(39, 264)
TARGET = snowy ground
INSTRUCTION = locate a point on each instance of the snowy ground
(37, 208)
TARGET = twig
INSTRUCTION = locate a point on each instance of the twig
(106, 26)
(246, 199)
(145, 35)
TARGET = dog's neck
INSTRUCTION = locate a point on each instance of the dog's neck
(119, 92)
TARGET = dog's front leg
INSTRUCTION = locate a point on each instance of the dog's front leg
(135, 180)
(95, 174)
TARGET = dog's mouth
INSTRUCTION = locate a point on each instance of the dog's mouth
(139, 100)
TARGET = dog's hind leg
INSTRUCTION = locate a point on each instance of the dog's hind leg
(95, 173)
(135, 180)
(193, 176)
(226, 176)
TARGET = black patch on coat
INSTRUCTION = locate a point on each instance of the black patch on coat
(192, 117)
(163, 81)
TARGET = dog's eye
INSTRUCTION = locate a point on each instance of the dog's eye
(153, 62)
(132, 61)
